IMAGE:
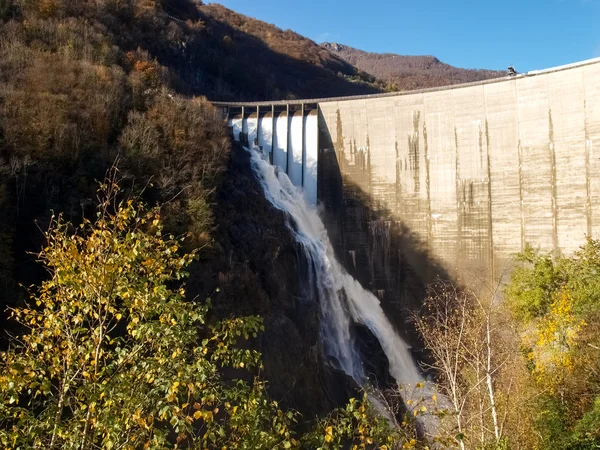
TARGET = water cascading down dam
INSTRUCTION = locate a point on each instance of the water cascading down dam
(449, 182)
(343, 301)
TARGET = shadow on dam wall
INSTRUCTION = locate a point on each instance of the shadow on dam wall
(451, 182)
(375, 247)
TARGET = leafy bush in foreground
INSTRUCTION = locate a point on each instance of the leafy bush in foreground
(115, 357)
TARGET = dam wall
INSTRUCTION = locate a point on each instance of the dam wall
(449, 182)
(469, 174)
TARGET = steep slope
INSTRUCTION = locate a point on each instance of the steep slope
(257, 60)
(90, 83)
(409, 72)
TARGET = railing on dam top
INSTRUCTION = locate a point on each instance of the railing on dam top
(288, 138)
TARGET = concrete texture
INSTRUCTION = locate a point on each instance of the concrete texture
(476, 172)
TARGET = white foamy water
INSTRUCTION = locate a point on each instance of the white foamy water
(341, 298)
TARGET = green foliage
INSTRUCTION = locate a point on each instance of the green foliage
(586, 434)
(115, 357)
(557, 304)
(532, 284)
(356, 426)
(535, 282)
(503, 444)
(580, 273)
(552, 421)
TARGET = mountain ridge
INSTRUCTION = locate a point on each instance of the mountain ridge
(404, 72)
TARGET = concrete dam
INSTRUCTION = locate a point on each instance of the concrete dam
(448, 181)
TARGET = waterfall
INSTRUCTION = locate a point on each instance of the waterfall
(343, 301)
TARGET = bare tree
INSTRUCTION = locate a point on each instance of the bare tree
(470, 345)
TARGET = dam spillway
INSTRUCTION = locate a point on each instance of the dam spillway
(455, 179)
(288, 139)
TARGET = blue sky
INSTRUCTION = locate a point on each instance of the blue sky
(491, 34)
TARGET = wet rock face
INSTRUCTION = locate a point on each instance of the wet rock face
(259, 270)
(375, 363)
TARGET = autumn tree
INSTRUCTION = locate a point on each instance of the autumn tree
(113, 355)
(556, 305)
(473, 354)
(359, 425)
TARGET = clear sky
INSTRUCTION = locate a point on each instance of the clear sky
(491, 34)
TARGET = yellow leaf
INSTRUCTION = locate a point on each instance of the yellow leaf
(197, 415)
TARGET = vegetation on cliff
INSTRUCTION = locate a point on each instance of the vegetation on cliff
(84, 85)
(259, 61)
(112, 355)
(523, 373)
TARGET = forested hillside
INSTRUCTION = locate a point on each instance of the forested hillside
(281, 64)
(101, 348)
(83, 83)
(402, 73)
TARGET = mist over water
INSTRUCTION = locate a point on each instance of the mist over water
(343, 301)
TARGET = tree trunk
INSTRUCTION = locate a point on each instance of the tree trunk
(488, 377)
